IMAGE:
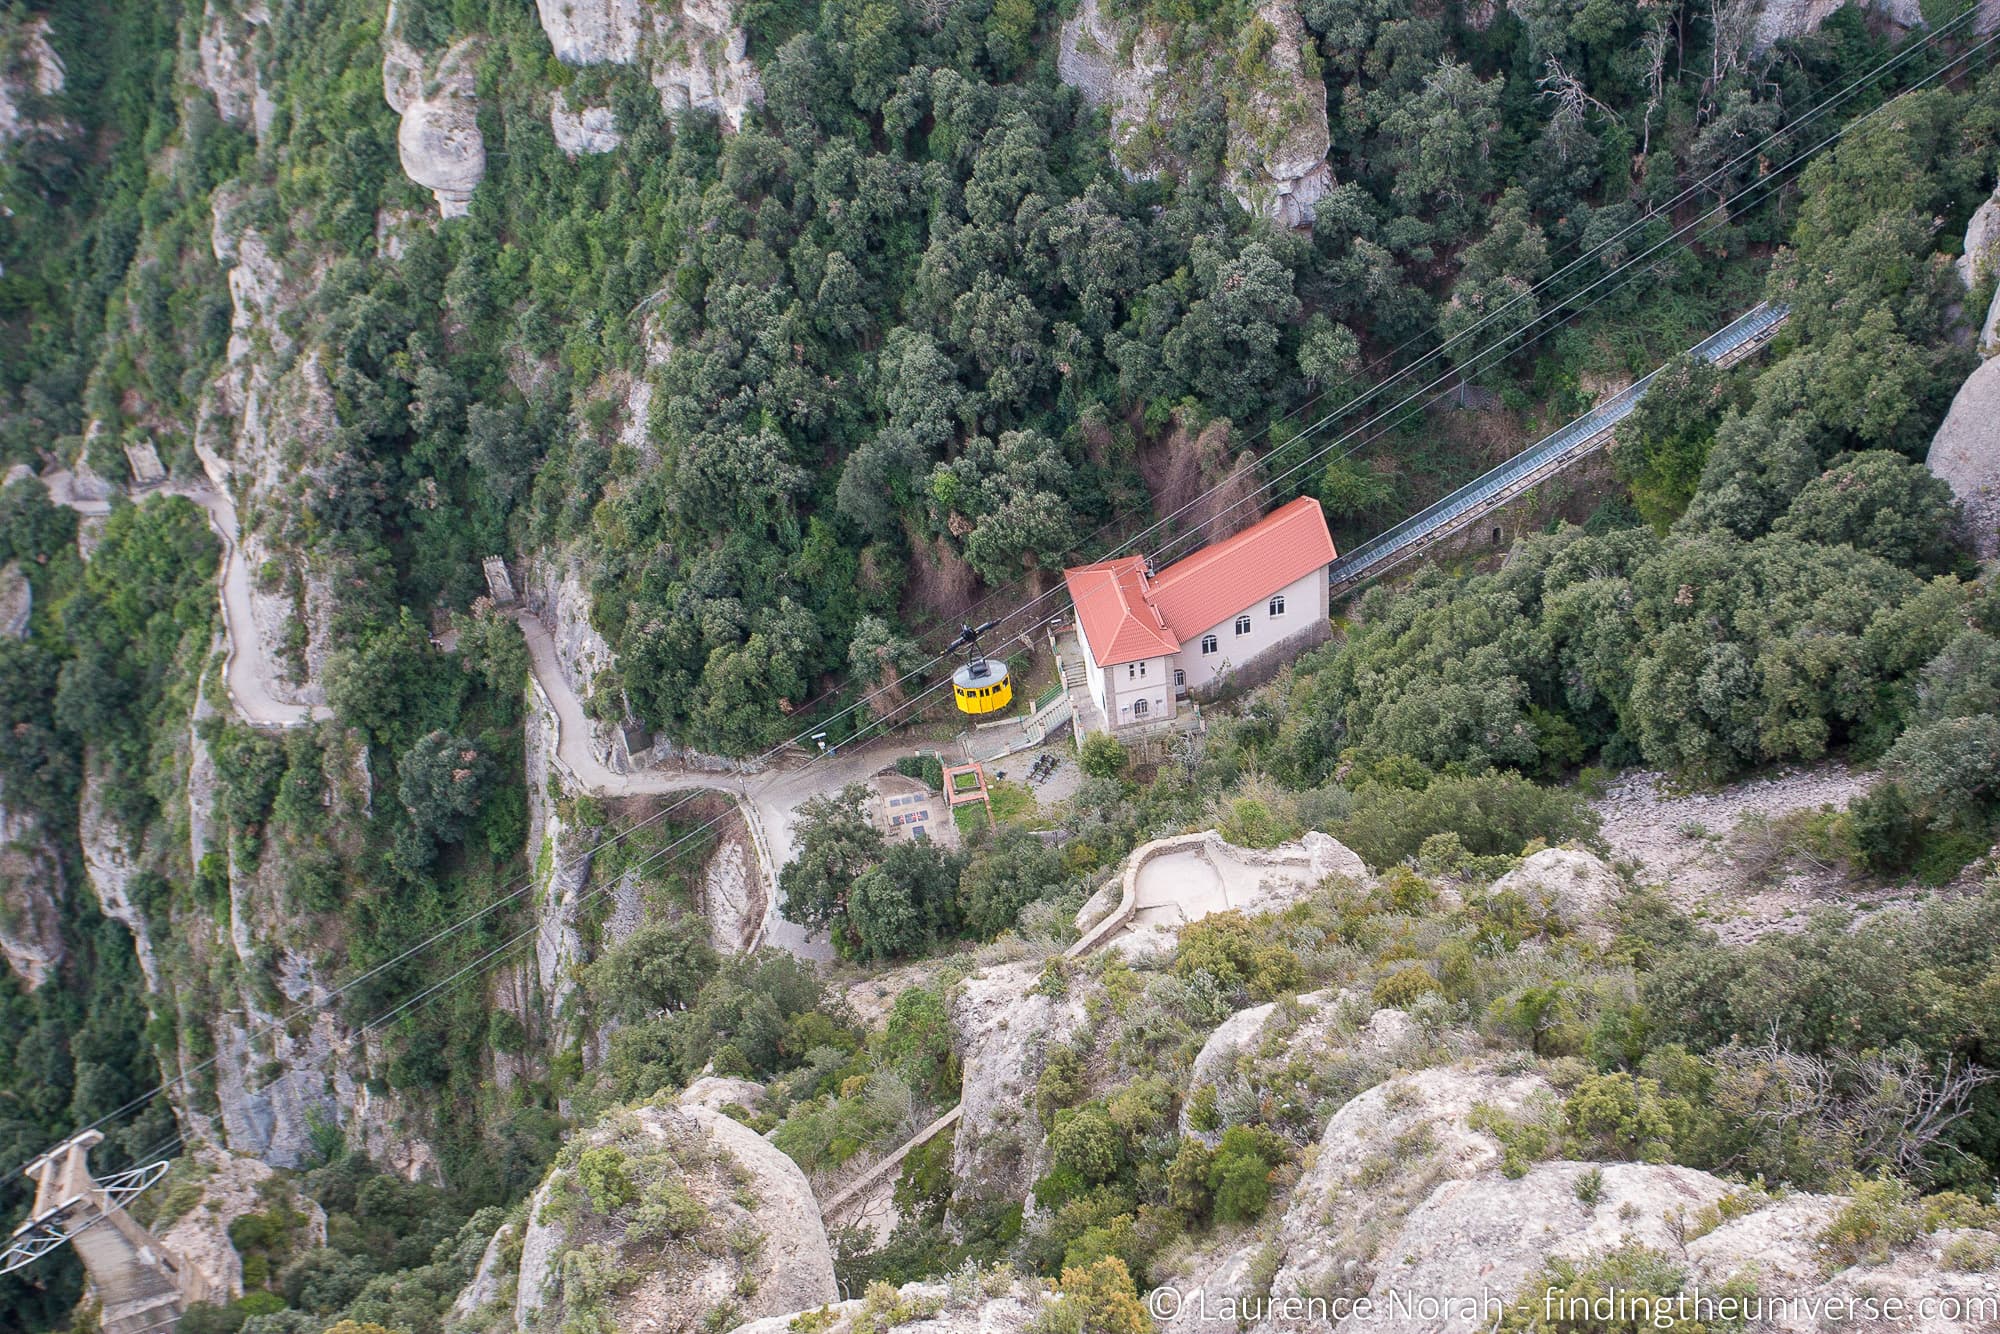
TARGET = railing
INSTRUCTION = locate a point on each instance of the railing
(1575, 440)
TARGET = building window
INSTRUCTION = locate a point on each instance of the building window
(1207, 645)
(1135, 671)
(1278, 605)
(1138, 708)
(1180, 678)
(1243, 624)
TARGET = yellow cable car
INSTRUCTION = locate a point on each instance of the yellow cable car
(980, 686)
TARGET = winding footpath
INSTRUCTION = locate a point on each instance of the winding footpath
(769, 800)
(252, 676)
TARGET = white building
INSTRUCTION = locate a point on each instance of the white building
(1150, 640)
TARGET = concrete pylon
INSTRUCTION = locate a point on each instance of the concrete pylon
(140, 1287)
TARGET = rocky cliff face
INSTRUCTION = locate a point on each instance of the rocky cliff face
(30, 74)
(31, 891)
(1006, 1029)
(226, 63)
(210, 1188)
(1275, 162)
(1980, 262)
(694, 52)
(1965, 453)
(1780, 19)
(667, 1216)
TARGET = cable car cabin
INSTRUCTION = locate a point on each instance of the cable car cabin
(981, 686)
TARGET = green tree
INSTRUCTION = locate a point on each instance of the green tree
(1879, 502)
(659, 966)
(837, 844)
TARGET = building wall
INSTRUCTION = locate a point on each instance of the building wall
(1093, 675)
(1151, 680)
(1305, 608)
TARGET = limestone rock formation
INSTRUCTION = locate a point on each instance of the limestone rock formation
(1566, 885)
(695, 53)
(1381, 1156)
(593, 32)
(997, 1302)
(439, 139)
(665, 1217)
(1981, 261)
(1278, 137)
(1337, 1036)
(1780, 19)
(211, 1188)
(226, 63)
(31, 888)
(585, 130)
(34, 75)
(1965, 454)
(1006, 1030)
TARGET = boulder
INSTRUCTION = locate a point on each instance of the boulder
(1965, 455)
(1566, 885)
(669, 1217)
(439, 140)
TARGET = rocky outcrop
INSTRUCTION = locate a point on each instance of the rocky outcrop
(1965, 455)
(668, 1217)
(1778, 20)
(31, 73)
(1567, 886)
(1278, 138)
(586, 130)
(1980, 261)
(1254, 1059)
(111, 867)
(694, 53)
(1006, 1028)
(211, 1188)
(439, 139)
(226, 63)
(31, 892)
(996, 1302)
(1381, 1156)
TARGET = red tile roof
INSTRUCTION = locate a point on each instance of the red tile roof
(1126, 616)
(1118, 622)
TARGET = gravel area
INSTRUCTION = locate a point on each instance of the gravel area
(1679, 842)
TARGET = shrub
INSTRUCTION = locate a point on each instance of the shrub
(1226, 947)
(1405, 987)
(1101, 756)
(1239, 1173)
(1617, 1115)
(1085, 1142)
(1879, 1217)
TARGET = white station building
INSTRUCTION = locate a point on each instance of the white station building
(1150, 640)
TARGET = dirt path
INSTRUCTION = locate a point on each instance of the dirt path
(251, 675)
(770, 799)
